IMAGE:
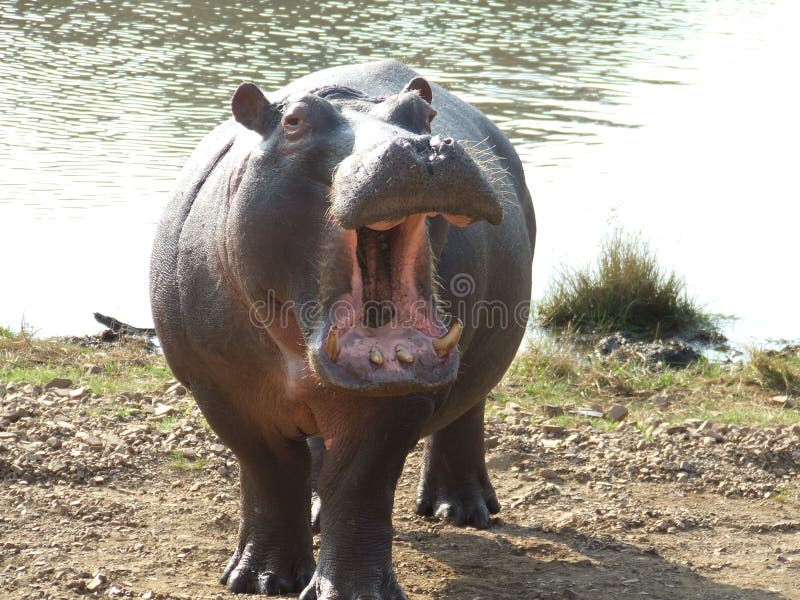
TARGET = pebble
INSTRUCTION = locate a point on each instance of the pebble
(58, 383)
(96, 582)
(177, 390)
(161, 410)
(616, 413)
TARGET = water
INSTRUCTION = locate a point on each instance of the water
(673, 118)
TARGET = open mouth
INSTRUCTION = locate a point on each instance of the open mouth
(381, 333)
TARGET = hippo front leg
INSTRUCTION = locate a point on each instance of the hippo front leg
(356, 487)
(273, 554)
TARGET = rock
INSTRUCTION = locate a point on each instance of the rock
(189, 453)
(782, 401)
(608, 344)
(96, 582)
(113, 440)
(553, 429)
(13, 414)
(58, 383)
(90, 440)
(92, 369)
(672, 429)
(161, 410)
(589, 412)
(57, 466)
(177, 390)
(714, 435)
(551, 410)
(660, 400)
(616, 413)
(77, 393)
(796, 429)
(219, 448)
(548, 474)
(53, 442)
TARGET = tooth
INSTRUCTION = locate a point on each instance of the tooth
(332, 344)
(403, 355)
(375, 355)
(449, 340)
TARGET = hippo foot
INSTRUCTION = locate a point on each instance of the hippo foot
(462, 505)
(323, 588)
(249, 572)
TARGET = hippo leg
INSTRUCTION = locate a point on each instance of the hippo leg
(357, 485)
(317, 447)
(273, 554)
(454, 484)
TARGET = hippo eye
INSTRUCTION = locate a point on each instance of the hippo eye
(295, 122)
(431, 114)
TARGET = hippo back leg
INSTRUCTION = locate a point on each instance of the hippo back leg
(454, 484)
(273, 554)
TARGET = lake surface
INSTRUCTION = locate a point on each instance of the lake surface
(676, 119)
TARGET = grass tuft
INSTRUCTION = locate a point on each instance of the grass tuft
(626, 290)
(779, 371)
(180, 462)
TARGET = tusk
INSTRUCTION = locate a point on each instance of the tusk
(332, 344)
(375, 355)
(449, 340)
(403, 355)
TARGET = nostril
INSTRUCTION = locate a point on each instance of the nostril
(437, 141)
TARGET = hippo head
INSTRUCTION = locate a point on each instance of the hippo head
(334, 199)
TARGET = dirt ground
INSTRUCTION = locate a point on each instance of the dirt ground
(133, 497)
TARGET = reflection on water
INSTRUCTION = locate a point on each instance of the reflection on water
(103, 101)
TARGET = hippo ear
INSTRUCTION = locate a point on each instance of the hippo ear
(422, 86)
(250, 107)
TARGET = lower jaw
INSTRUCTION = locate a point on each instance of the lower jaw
(389, 360)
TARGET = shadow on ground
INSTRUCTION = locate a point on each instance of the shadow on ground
(520, 563)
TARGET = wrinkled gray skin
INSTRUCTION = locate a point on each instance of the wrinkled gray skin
(262, 226)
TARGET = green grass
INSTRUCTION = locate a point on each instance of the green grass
(6, 334)
(785, 494)
(126, 366)
(557, 375)
(180, 462)
(167, 423)
(626, 290)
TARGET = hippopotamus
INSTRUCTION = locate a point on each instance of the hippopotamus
(344, 270)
